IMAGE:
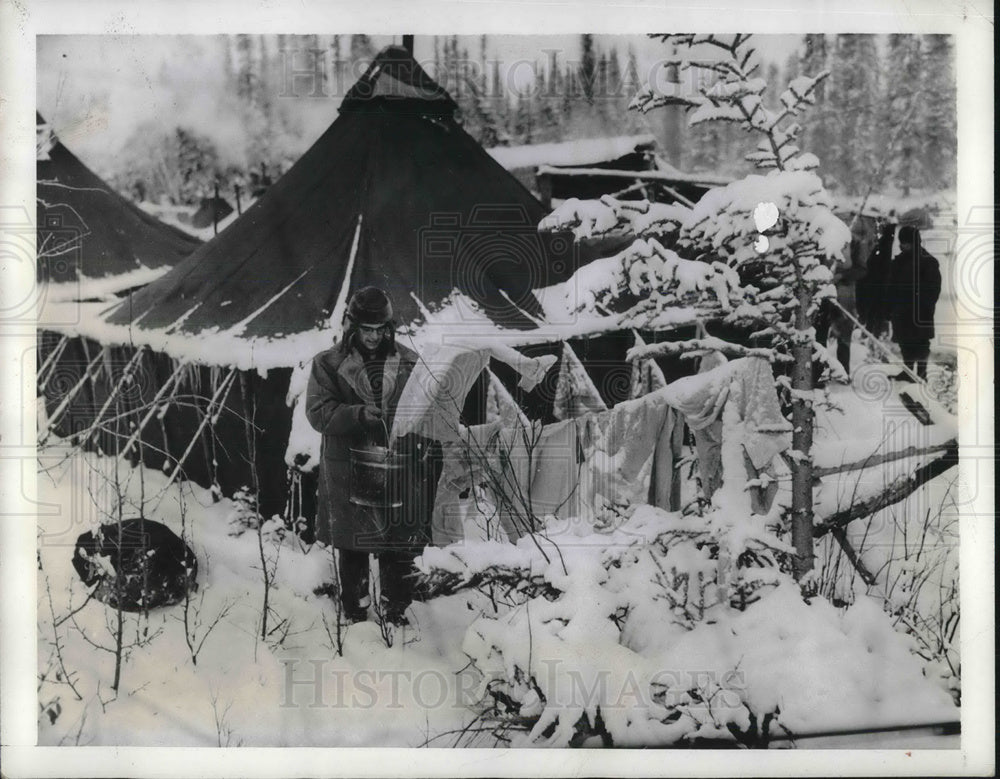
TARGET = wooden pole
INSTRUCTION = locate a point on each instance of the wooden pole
(802, 440)
(215, 212)
(60, 410)
(899, 489)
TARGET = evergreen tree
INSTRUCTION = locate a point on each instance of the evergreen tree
(603, 94)
(902, 80)
(228, 69)
(548, 120)
(588, 66)
(773, 77)
(246, 76)
(793, 67)
(362, 52)
(853, 94)
(819, 118)
(937, 120)
(337, 69)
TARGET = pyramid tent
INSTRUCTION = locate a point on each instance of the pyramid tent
(393, 194)
(92, 242)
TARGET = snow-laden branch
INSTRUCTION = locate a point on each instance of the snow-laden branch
(594, 218)
(696, 347)
(649, 272)
(734, 94)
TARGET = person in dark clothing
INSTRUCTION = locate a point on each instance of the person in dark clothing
(352, 395)
(912, 294)
(872, 301)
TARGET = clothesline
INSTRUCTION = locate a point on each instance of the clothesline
(603, 460)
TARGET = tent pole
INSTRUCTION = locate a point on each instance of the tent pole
(50, 361)
(152, 409)
(676, 194)
(520, 310)
(226, 385)
(61, 408)
(112, 395)
(340, 307)
(878, 344)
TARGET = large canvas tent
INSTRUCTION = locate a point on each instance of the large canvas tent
(92, 245)
(395, 194)
(92, 242)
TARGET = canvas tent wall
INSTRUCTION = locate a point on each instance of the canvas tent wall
(395, 194)
(92, 244)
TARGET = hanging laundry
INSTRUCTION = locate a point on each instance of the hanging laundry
(489, 459)
(618, 447)
(647, 376)
(576, 394)
(748, 384)
(665, 484)
(432, 400)
(557, 460)
(501, 406)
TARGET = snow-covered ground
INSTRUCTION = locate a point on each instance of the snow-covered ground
(242, 690)
(821, 666)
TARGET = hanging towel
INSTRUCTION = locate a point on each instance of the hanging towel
(576, 394)
(432, 400)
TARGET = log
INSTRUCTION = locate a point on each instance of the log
(887, 457)
(852, 555)
(900, 489)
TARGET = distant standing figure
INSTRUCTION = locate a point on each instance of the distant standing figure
(872, 303)
(913, 291)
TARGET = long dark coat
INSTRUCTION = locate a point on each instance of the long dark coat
(339, 388)
(912, 294)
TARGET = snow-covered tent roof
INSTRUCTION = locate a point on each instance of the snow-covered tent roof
(658, 180)
(587, 151)
(91, 241)
(394, 194)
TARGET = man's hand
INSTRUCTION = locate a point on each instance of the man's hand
(371, 417)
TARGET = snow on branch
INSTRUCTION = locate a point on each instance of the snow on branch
(734, 94)
(722, 223)
(646, 270)
(593, 218)
(696, 347)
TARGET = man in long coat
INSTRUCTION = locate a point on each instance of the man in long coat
(354, 389)
(913, 291)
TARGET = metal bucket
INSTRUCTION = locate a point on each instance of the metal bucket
(376, 477)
